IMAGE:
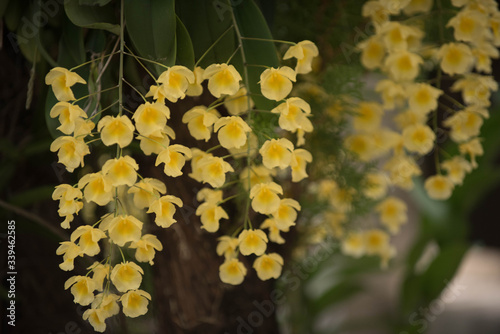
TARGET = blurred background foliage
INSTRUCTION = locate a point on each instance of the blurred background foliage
(38, 35)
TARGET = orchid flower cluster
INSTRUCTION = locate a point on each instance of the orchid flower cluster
(404, 127)
(115, 280)
(398, 51)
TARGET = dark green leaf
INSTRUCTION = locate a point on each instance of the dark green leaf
(251, 23)
(185, 52)
(151, 25)
(94, 2)
(12, 16)
(3, 7)
(337, 293)
(30, 196)
(205, 23)
(94, 17)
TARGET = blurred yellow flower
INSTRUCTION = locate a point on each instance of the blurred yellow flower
(98, 188)
(252, 242)
(145, 248)
(174, 157)
(70, 151)
(116, 130)
(232, 271)
(232, 131)
(264, 197)
(151, 117)
(276, 153)
(304, 52)
(164, 209)
(68, 115)
(268, 266)
(121, 171)
(126, 276)
(82, 288)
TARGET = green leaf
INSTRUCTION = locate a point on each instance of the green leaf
(94, 2)
(151, 25)
(94, 17)
(337, 293)
(30, 196)
(251, 23)
(3, 7)
(205, 23)
(442, 269)
(185, 52)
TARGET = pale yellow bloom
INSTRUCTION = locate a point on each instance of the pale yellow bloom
(456, 58)
(456, 169)
(276, 83)
(83, 127)
(232, 271)
(257, 174)
(210, 215)
(164, 209)
(135, 303)
(70, 151)
(157, 141)
(368, 116)
(99, 273)
(232, 131)
(175, 81)
(304, 52)
(157, 92)
(473, 148)
(151, 117)
(353, 245)
(464, 125)
(268, 266)
(341, 199)
(409, 117)
(200, 121)
(197, 156)
(293, 115)
(209, 195)
(394, 6)
(98, 188)
(96, 318)
(376, 11)
(121, 171)
(61, 81)
(174, 157)
(107, 304)
(222, 79)
(439, 187)
(300, 158)
(401, 171)
(418, 138)
(195, 88)
(227, 246)
(375, 185)
(418, 6)
(69, 250)
(476, 89)
(145, 248)
(274, 231)
(122, 229)
(88, 239)
(252, 242)
(362, 145)
(213, 170)
(68, 199)
(392, 213)
(116, 130)
(372, 52)
(483, 52)
(146, 191)
(286, 214)
(126, 276)
(423, 98)
(68, 115)
(393, 93)
(265, 197)
(468, 25)
(238, 103)
(376, 241)
(403, 65)
(82, 289)
(396, 36)
(277, 153)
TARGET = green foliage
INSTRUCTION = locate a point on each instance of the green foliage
(252, 24)
(86, 15)
(151, 25)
